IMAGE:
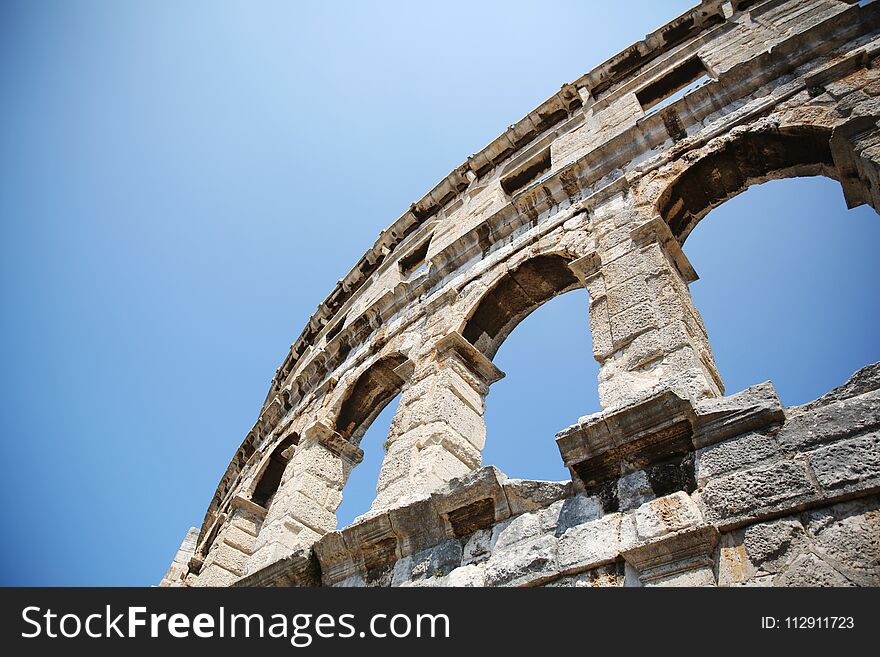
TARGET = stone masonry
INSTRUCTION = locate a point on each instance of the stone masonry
(672, 483)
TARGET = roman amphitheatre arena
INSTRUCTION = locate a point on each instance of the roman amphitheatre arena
(677, 481)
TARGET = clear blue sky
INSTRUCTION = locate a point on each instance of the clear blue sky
(181, 183)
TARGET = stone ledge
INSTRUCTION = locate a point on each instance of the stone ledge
(477, 501)
(665, 425)
(319, 432)
(614, 444)
(673, 554)
(752, 409)
(299, 569)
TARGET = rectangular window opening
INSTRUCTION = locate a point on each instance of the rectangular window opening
(416, 261)
(674, 85)
(333, 332)
(532, 171)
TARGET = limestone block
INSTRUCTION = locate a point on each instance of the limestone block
(831, 422)
(401, 574)
(770, 546)
(240, 540)
(399, 458)
(631, 264)
(848, 463)
(298, 569)
(317, 489)
(515, 530)
(353, 582)
(319, 462)
(216, 576)
(666, 515)
(337, 560)
(629, 323)
(248, 523)
(733, 565)
(466, 576)
(595, 543)
(735, 454)
(310, 513)
(372, 542)
(473, 502)
(629, 293)
(697, 577)
(528, 495)
(810, 570)
(633, 490)
(601, 448)
(652, 346)
(753, 409)
(757, 492)
(437, 561)
(231, 558)
(417, 525)
(478, 546)
(523, 563)
(579, 141)
(444, 405)
(848, 536)
(600, 329)
(578, 510)
(437, 465)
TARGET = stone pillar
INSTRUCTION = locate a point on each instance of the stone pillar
(178, 568)
(231, 549)
(304, 508)
(855, 148)
(646, 331)
(438, 432)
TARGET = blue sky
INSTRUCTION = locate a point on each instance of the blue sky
(181, 183)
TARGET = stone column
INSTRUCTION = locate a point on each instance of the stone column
(438, 432)
(646, 331)
(304, 508)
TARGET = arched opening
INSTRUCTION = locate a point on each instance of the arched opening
(787, 286)
(369, 395)
(360, 490)
(511, 299)
(551, 381)
(751, 158)
(366, 412)
(551, 373)
(273, 471)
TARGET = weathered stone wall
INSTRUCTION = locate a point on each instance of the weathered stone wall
(733, 491)
(598, 188)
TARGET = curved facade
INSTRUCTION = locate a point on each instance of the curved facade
(598, 188)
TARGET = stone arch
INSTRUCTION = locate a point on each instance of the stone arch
(515, 295)
(369, 394)
(750, 158)
(551, 379)
(268, 478)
